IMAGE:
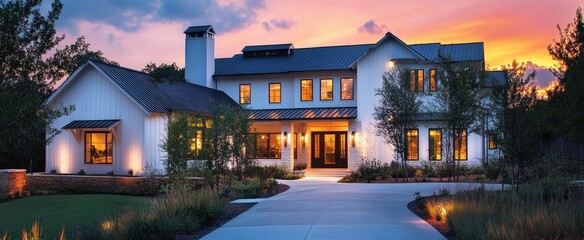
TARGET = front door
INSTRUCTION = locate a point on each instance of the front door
(329, 149)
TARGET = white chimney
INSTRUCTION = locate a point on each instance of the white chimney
(200, 55)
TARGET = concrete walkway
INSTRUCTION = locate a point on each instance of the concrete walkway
(321, 208)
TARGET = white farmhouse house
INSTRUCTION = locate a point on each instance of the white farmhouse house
(309, 106)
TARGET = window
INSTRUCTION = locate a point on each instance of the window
(346, 88)
(433, 83)
(460, 144)
(492, 141)
(295, 145)
(412, 144)
(244, 94)
(435, 144)
(417, 80)
(306, 90)
(275, 93)
(197, 144)
(98, 148)
(269, 145)
(326, 89)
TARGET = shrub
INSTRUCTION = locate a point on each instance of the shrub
(493, 169)
(130, 172)
(81, 172)
(245, 189)
(368, 170)
(291, 176)
(110, 173)
(300, 166)
(351, 178)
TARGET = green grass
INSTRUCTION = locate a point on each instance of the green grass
(56, 211)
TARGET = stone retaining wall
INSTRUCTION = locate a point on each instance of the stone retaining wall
(73, 184)
(12, 182)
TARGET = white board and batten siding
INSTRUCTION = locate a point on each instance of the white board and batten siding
(97, 98)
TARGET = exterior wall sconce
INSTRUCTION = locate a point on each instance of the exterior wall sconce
(353, 139)
(303, 140)
(286, 139)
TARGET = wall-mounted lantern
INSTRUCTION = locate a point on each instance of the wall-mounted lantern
(353, 139)
(303, 140)
(286, 139)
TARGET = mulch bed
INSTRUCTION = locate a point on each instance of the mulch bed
(418, 208)
(230, 211)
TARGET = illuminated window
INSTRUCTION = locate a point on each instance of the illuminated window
(435, 144)
(197, 144)
(417, 80)
(412, 144)
(98, 148)
(326, 89)
(244, 94)
(269, 146)
(460, 144)
(306, 90)
(346, 88)
(275, 93)
(295, 145)
(433, 83)
(492, 141)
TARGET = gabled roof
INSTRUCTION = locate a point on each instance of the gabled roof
(200, 29)
(301, 60)
(153, 97)
(303, 113)
(335, 57)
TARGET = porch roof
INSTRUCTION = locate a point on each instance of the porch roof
(77, 124)
(303, 113)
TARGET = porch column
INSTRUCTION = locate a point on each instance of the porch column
(287, 149)
(355, 145)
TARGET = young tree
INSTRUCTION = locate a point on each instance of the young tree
(458, 99)
(515, 122)
(568, 99)
(181, 131)
(395, 112)
(169, 72)
(26, 80)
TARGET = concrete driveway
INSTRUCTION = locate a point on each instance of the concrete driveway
(321, 208)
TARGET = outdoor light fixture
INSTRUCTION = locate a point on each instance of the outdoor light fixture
(285, 139)
(353, 139)
(302, 140)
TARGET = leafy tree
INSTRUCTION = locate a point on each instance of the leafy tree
(458, 99)
(162, 72)
(513, 105)
(66, 60)
(395, 112)
(568, 98)
(178, 143)
(26, 80)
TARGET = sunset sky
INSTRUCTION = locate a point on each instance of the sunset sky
(136, 32)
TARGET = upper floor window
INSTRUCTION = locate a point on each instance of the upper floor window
(275, 93)
(433, 83)
(492, 141)
(412, 144)
(306, 90)
(98, 148)
(435, 144)
(460, 143)
(244, 94)
(346, 88)
(417, 80)
(326, 89)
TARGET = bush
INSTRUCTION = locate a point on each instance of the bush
(245, 189)
(81, 172)
(300, 166)
(291, 176)
(368, 170)
(265, 172)
(493, 169)
(110, 173)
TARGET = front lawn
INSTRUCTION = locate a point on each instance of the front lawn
(56, 211)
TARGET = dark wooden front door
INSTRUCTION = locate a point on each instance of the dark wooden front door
(329, 149)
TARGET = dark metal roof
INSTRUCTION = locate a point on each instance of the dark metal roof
(136, 84)
(463, 51)
(163, 97)
(91, 124)
(303, 113)
(272, 47)
(332, 58)
(495, 78)
(190, 97)
(301, 60)
(200, 29)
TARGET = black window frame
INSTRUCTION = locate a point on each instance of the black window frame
(85, 161)
(332, 89)
(433, 81)
(311, 90)
(430, 146)
(245, 84)
(492, 141)
(465, 145)
(270, 93)
(268, 146)
(415, 87)
(352, 88)
(417, 144)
